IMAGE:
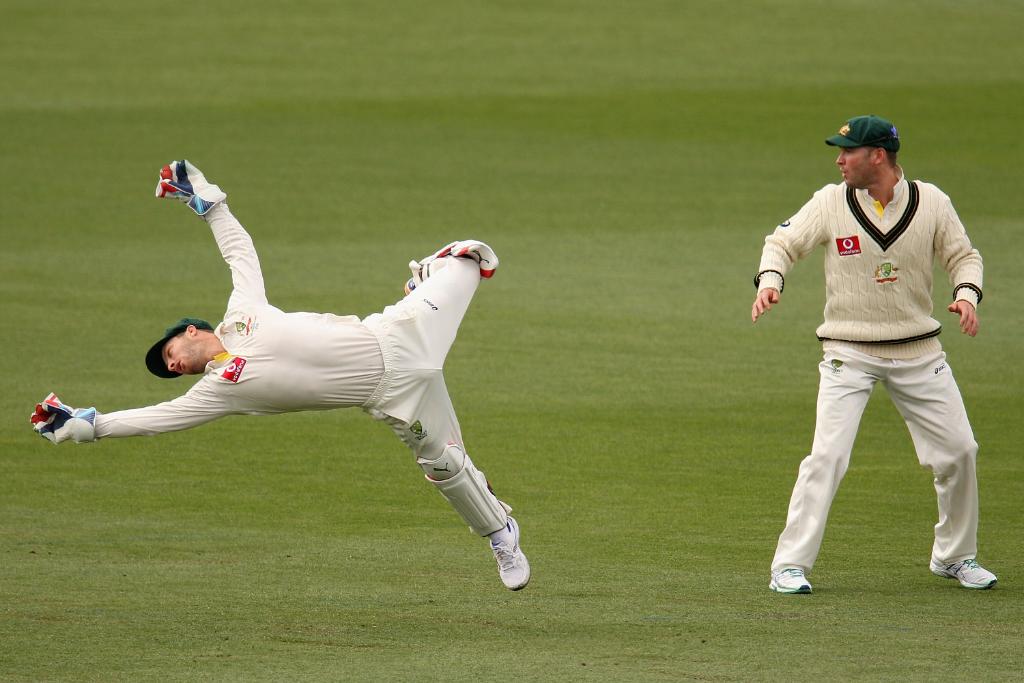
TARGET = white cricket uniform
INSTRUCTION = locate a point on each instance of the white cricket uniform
(878, 328)
(389, 364)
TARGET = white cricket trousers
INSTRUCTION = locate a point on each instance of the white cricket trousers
(416, 334)
(927, 397)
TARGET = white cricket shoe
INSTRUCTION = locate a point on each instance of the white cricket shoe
(513, 566)
(472, 249)
(790, 580)
(183, 181)
(969, 573)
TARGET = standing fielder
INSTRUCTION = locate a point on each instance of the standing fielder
(262, 361)
(881, 234)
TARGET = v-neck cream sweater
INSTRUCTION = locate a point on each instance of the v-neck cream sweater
(878, 268)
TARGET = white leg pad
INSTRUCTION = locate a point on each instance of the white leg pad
(467, 491)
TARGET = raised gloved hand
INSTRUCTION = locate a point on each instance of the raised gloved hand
(58, 422)
(182, 181)
(471, 249)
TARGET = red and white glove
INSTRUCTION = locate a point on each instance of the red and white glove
(57, 422)
(471, 249)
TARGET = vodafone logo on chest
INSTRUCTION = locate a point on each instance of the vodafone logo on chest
(848, 246)
(233, 371)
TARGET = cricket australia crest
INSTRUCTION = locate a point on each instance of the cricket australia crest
(886, 272)
(246, 327)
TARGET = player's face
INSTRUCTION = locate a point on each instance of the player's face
(185, 354)
(856, 165)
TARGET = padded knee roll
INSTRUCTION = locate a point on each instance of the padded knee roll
(467, 491)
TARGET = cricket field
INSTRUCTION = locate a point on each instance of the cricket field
(626, 161)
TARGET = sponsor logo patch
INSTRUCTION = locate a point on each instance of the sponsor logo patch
(848, 246)
(233, 371)
(886, 272)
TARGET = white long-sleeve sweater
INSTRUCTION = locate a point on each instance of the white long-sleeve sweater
(878, 268)
(276, 362)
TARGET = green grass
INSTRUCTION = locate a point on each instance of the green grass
(626, 161)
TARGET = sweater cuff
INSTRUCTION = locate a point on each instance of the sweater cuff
(967, 292)
(769, 279)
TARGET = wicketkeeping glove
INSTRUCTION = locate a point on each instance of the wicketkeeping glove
(181, 180)
(58, 422)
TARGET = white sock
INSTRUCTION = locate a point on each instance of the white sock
(502, 535)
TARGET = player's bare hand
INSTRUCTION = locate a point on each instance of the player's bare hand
(763, 302)
(968, 316)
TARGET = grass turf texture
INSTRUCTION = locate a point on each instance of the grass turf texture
(625, 161)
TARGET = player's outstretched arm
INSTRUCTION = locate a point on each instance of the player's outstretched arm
(763, 302)
(59, 422)
(181, 180)
(968, 316)
(239, 253)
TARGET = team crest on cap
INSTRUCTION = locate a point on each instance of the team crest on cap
(845, 130)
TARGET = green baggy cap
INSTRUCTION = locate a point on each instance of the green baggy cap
(155, 355)
(867, 131)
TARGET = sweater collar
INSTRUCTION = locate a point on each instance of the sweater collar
(899, 194)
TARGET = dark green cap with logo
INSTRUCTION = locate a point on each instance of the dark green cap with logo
(867, 131)
(155, 356)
